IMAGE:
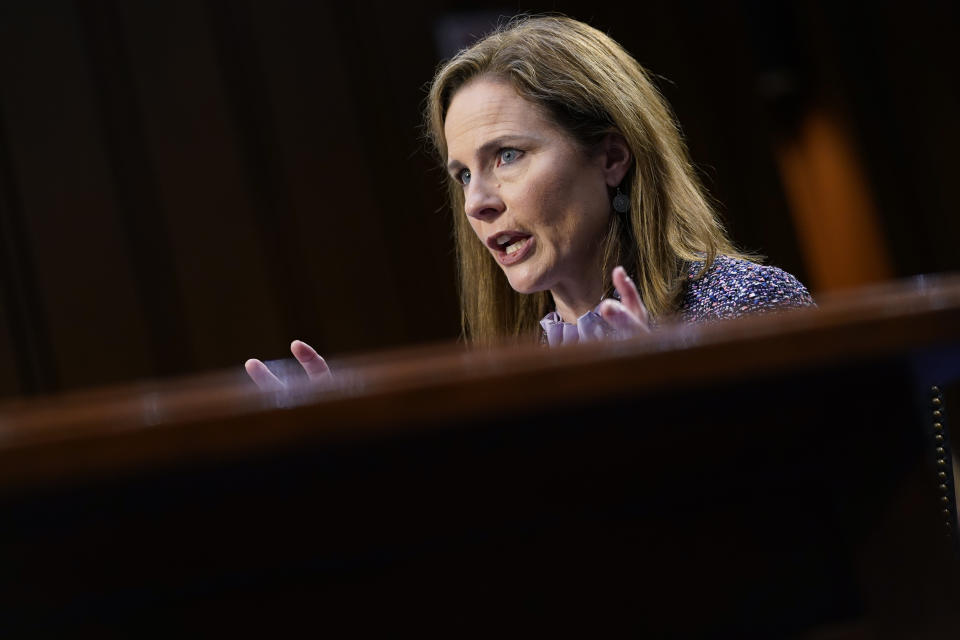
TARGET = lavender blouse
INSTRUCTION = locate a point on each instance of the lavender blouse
(731, 287)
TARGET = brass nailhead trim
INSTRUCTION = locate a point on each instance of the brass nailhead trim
(937, 401)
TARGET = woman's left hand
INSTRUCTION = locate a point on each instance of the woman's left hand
(315, 367)
(628, 317)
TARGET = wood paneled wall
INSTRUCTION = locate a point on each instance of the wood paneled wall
(194, 183)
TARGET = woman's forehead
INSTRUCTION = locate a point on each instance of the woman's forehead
(486, 109)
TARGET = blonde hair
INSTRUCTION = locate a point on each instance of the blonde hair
(590, 86)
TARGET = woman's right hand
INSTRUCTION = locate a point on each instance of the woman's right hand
(627, 316)
(315, 366)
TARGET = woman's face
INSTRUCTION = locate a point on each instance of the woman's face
(535, 199)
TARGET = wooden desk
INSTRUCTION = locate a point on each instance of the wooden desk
(771, 476)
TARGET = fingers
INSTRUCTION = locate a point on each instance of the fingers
(314, 366)
(628, 317)
(617, 316)
(623, 321)
(262, 376)
(312, 363)
(630, 297)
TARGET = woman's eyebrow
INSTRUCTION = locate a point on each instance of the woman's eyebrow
(488, 147)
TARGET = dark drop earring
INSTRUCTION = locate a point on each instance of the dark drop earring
(621, 203)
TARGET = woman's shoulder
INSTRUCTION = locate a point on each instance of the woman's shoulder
(733, 287)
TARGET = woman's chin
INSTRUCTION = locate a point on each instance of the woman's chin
(525, 285)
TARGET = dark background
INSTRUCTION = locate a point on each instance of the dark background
(185, 184)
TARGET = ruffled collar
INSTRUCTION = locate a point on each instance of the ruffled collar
(589, 327)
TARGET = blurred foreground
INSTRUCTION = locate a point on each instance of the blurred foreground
(776, 475)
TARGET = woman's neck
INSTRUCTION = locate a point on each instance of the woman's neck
(573, 302)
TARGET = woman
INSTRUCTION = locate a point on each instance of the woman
(569, 182)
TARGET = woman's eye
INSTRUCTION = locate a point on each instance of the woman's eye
(464, 177)
(509, 155)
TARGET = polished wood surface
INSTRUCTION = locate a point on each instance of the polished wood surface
(774, 474)
(126, 426)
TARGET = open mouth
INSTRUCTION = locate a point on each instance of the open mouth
(511, 247)
(510, 243)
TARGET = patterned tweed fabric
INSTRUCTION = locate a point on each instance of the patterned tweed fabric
(734, 287)
(730, 288)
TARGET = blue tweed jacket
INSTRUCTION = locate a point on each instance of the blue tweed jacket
(731, 287)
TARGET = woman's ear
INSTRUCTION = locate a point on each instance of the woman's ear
(617, 158)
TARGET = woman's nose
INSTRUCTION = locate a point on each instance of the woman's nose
(482, 200)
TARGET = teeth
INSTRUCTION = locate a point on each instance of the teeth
(502, 240)
(514, 247)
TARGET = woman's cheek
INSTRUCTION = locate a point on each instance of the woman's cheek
(542, 194)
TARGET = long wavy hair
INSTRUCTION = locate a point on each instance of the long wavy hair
(591, 87)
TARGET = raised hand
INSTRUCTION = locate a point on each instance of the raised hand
(628, 317)
(315, 367)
